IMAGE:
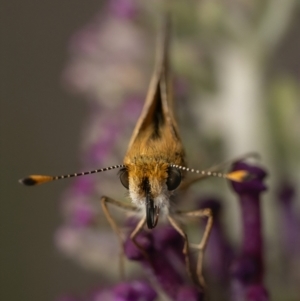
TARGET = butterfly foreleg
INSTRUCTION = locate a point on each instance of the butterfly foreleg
(203, 243)
(185, 250)
(129, 207)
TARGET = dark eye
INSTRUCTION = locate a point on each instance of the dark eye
(124, 178)
(174, 178)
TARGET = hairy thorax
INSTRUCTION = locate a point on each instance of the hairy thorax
(147, 163)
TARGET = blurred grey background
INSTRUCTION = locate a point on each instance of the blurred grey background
(40, 130)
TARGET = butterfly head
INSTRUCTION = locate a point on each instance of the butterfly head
(150, 187)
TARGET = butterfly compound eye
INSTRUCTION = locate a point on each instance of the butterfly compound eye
(124, 178)
(174, 178)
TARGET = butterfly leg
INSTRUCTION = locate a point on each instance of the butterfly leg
(129, 207)
(139, 227)
(203, 243)
(185, 250)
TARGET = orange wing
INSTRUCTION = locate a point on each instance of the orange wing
(157, 122)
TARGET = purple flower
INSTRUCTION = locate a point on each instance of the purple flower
(219, 253)
(257, 293)
(190, 293)
(83, 186)
(125, 9)
(83, 214)
(157, 264)
(136, 290)
(255, 185)
(101, 294)
(101, 149)
(76, 205)
(170, 242)
(131, 108)
(247, 269)
(289, 220)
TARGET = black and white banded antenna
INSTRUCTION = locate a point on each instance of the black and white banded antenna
(236, 176)
(40, 179)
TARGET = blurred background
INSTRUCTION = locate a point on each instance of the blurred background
(40, 132)
(73, 79)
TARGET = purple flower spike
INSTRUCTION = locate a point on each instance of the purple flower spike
(83, 186)
(289, 220)
(125, 9)
(145, 240)
(135, 291)
(247, 269)
(131, 108)
(124, 292)
(255, 185)
(83, 214)
(145, 290)
(100, 150)
(169, 241)
(286, 193)
(257, 293)
(219, 253)
(101, 293)
(189, 293)
(157, 263)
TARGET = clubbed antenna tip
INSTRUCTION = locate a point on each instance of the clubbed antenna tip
(239, 176)
(35, 180)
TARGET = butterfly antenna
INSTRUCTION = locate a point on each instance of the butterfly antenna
(40, 179)
(236, 176)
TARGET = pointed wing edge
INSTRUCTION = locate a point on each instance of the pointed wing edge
(160, 79)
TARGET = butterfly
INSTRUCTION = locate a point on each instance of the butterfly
(154, 167)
